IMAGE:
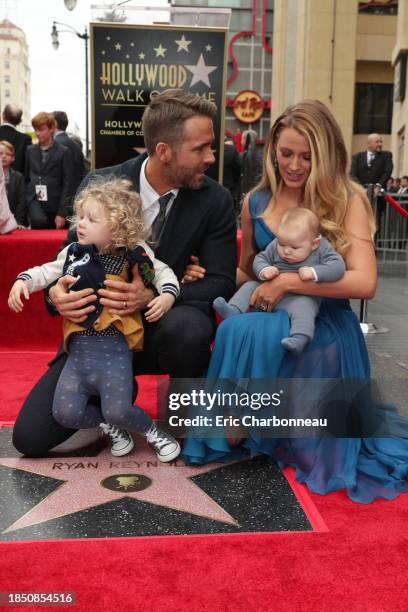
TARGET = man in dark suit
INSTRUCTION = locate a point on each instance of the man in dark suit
(60, 136)
(11, 118)
(373, 166)
(189, 214)
(49, 175)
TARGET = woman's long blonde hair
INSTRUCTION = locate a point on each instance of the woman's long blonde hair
(328, 188)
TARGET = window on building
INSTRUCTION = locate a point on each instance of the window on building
(373, 108)
(7, 78)
(6, 93)
(8, 50)
(379, 7)
(6, 64)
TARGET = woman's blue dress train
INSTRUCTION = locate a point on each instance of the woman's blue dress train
(249, 346)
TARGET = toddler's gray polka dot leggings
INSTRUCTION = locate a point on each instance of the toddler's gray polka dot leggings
(98, 365)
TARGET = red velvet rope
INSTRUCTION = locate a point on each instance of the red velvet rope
(395, 205)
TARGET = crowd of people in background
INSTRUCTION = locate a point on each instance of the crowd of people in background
(38, 181)
(398, 186)
(41, 179)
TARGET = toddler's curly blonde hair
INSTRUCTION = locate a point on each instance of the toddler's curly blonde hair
(122, 207)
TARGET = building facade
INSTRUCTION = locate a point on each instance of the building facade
(338, 51)
(249, 78)
(400, 109)
(15, 71)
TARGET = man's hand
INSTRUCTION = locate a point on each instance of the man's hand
(269, 293)
(193, 271)
(125, 298)
(159, 306)
(73, 305)
(59, 222)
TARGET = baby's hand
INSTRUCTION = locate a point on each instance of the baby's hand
(269, 272)
(158, 306)
(18, 289)
(306, 273)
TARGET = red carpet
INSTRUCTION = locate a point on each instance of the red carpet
(360, 564)
(32, 328)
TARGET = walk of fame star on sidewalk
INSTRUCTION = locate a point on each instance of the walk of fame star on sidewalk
(171, 485)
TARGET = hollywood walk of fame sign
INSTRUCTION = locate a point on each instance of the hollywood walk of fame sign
(131, 64)
(97, 495)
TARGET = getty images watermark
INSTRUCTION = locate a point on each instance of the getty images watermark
(207, 401)
(272, 407)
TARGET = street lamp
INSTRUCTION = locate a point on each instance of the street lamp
(85, 38)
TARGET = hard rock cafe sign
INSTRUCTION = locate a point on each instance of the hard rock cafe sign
(248, 106)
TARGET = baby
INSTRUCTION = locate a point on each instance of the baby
(297, 248)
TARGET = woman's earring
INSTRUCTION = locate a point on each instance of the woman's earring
(275, 163)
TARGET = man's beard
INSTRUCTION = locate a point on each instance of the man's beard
(184, 178)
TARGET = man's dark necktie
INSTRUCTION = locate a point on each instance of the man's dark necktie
(158, 223)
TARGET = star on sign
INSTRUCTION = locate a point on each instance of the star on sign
(80, 488)
(103, 52)
(208, 47)
(141, 56)
(118, 46)
(108, 38)
(160, 51)
(132, 44)
(200, 72)
(183, 44)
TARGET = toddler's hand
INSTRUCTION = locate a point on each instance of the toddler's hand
(18, 289)
(158, 306)
(306, 273)
(269, 272)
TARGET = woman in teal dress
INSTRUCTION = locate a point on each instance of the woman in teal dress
(305, 164)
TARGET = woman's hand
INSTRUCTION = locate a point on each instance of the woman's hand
(193, 271)
(125, 298)
(73, 305)
(269, 293)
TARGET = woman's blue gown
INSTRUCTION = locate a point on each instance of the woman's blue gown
(249, 346)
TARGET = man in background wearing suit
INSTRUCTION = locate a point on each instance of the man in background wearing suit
(190, 214)
(60, 136)
(11, 118)
(373, 166)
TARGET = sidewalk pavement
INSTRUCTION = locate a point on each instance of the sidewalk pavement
(389, 351)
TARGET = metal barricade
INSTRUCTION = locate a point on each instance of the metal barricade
(391, 239)
(382, 213)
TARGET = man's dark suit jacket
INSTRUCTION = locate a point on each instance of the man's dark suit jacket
(77, 157)
(20, 143)
(16, 196)
(379, 172)
(56, 173)
(200, 222)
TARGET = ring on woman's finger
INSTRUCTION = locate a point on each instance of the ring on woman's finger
(264, 307)
(124, 305)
